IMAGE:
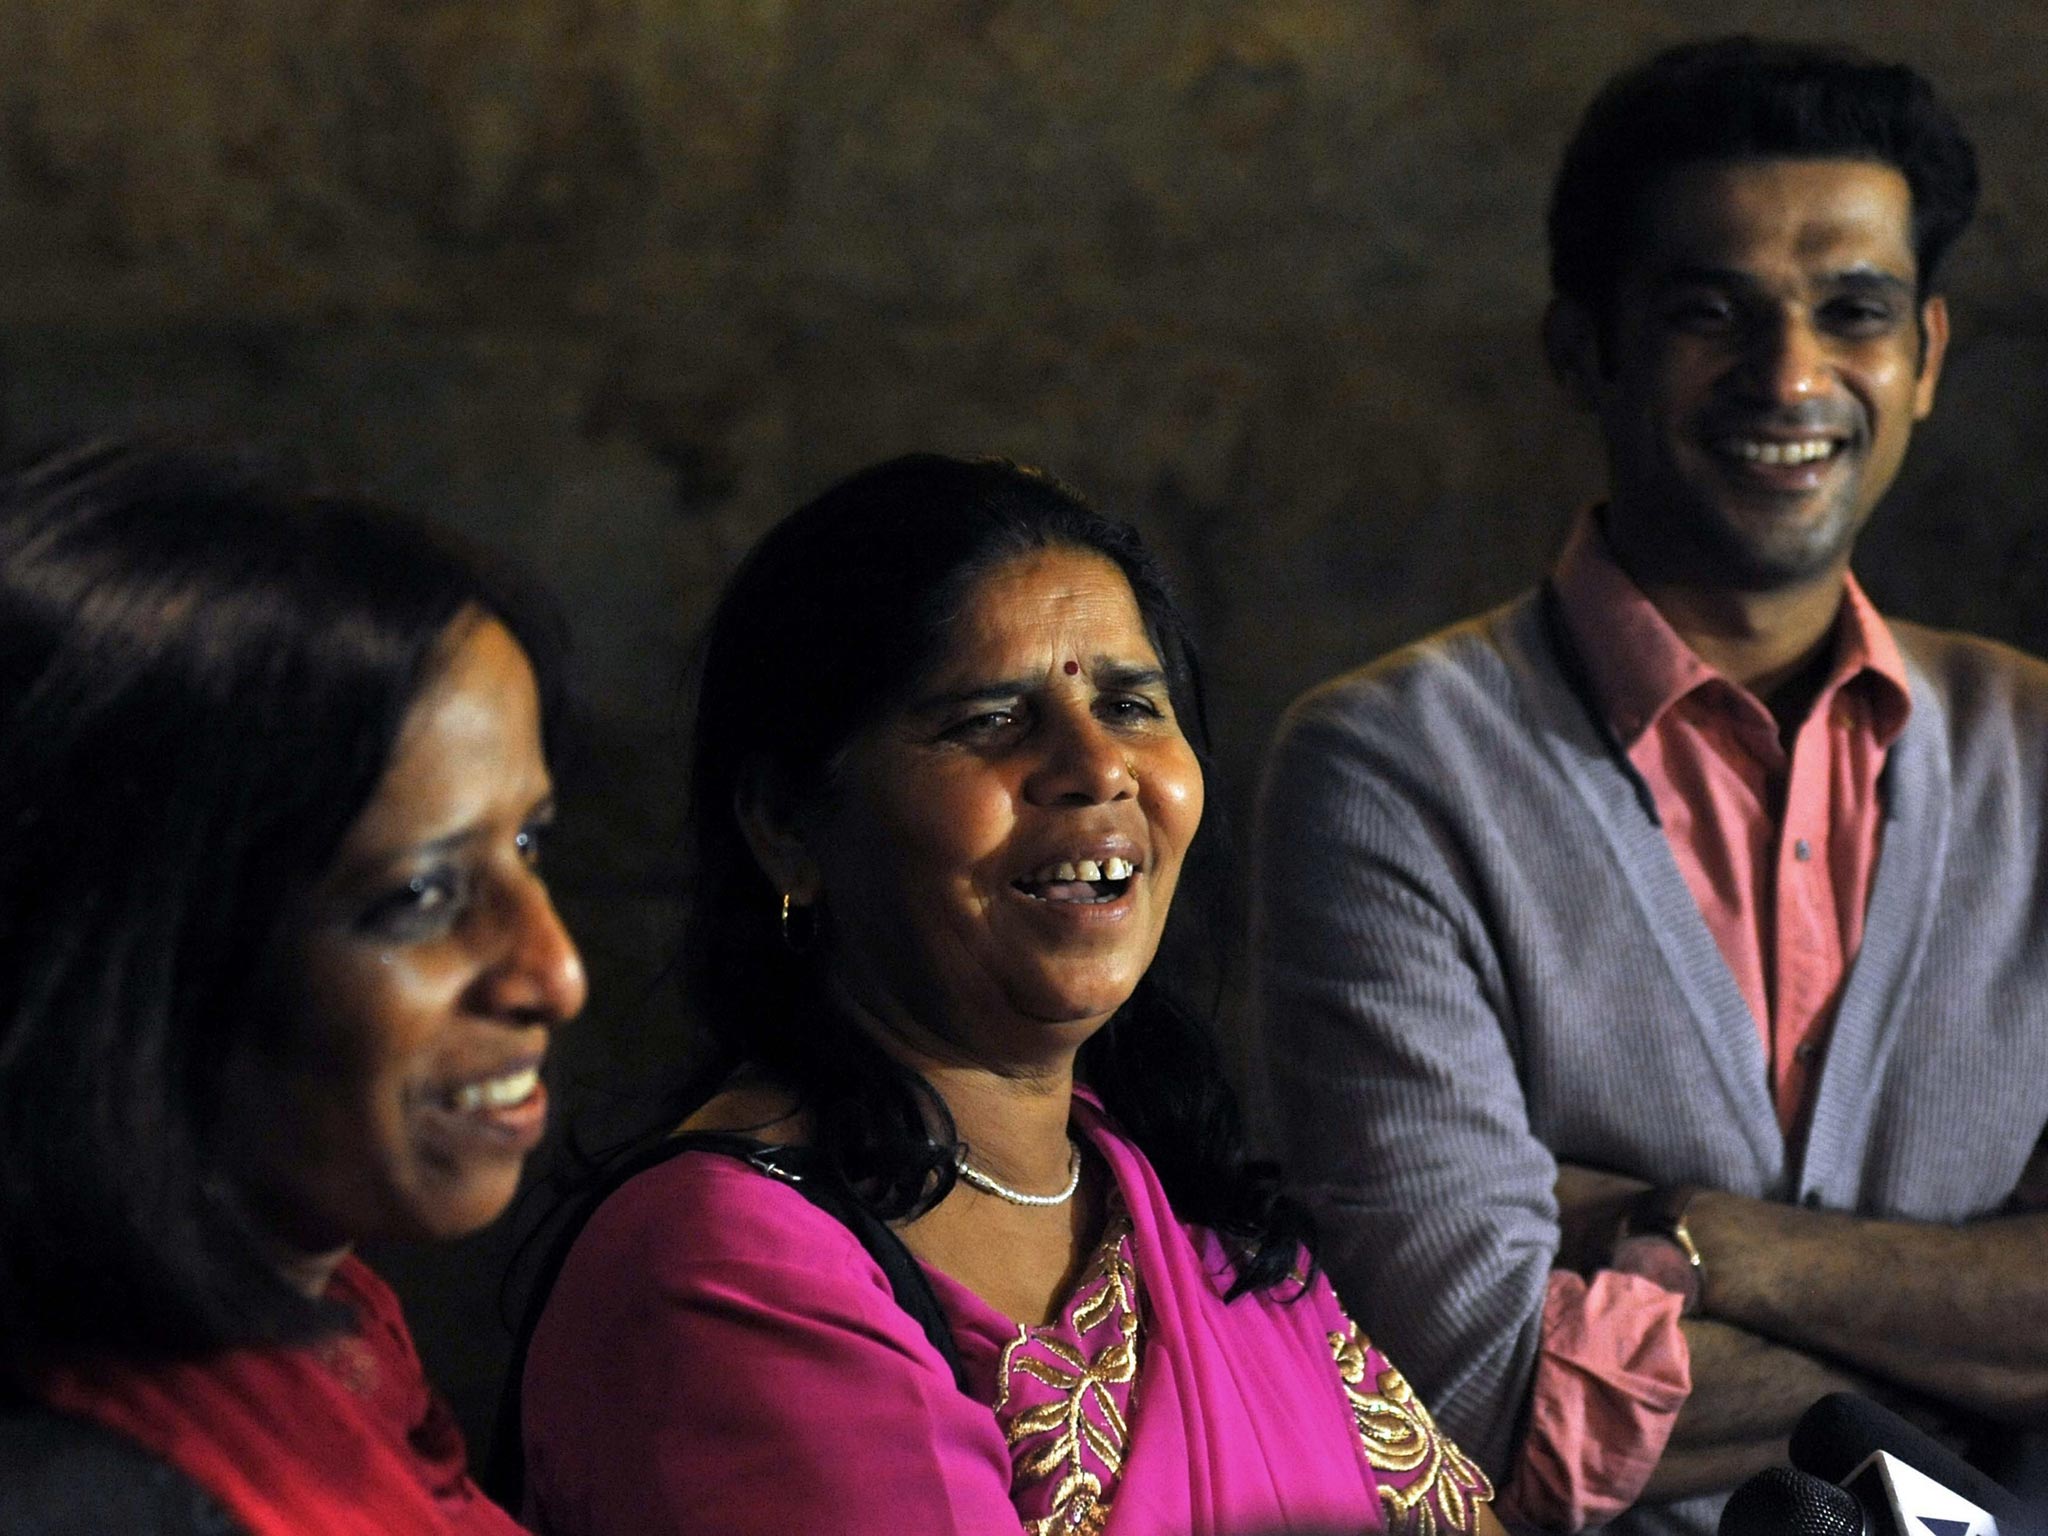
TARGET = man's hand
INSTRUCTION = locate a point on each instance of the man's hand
(1794, 1310)
(1590, 1205)
(1956, 1313)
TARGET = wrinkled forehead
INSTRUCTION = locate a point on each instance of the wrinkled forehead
(1055, 596)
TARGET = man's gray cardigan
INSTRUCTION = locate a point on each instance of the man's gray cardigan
(1477, 957)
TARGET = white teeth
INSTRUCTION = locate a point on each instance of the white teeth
(499, 1092)
(1781, 453)
(1091, 870)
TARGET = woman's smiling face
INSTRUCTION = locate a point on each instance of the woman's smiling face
(1000, 852)
(417, 981)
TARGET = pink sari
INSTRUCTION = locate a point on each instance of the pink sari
(1242, 1421)
(719, 1355)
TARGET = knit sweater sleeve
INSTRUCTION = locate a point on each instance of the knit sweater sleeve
(1387, 1049)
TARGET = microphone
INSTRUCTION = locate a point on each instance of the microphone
(1781, 1502)
(1905, 1479)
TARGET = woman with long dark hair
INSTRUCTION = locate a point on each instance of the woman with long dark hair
(958, 1232)
(277, 973)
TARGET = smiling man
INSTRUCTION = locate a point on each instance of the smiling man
(1653, 993)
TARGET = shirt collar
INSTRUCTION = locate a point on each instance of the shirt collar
(1639, 666)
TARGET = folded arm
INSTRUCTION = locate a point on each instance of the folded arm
(1386, 1048)
(1958, 1314)
(1393, 1094)
(1943, 1323)
(1747, 1394)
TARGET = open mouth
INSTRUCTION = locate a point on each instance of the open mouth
(508, 1090)
(1086, 881)
(1778, 453)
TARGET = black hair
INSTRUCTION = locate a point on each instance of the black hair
(829, 621)
(202, 676)
(1742, 98)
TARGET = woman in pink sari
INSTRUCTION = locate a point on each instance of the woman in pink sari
(958, 1234)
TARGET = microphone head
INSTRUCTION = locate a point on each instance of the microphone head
(1838, 1433)
(1781, 1502)
(1842, 1431)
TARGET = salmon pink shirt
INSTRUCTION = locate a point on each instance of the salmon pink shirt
(1777, 845)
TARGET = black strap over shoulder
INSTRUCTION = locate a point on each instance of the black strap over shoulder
(803, 1171)
(504, 1472)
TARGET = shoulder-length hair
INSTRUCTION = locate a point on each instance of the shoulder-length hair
(202, 676)
(830, 620)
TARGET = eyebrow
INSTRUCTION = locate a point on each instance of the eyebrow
(1109, 674)
(1862, 278)
(542, 810)
(984, 693)
(1869, 278)
(1126, 675)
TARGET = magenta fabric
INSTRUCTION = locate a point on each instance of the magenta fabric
(1242, 1423)
(1062, 1391)
(719, 1355)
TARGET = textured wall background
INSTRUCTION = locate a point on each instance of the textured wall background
(613, 283)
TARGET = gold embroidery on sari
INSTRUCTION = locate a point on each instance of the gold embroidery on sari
(1108, 1299)
(1401, 1438)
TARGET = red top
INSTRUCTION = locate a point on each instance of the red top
(341, 1437)
(1777, 847)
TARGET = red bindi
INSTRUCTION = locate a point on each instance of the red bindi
(1073, 667)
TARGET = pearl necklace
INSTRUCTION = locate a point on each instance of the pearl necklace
(989, 1185)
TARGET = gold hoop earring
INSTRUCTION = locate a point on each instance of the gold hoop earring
(798, 937)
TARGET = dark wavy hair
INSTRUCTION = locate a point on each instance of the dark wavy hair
(829, 622)
(202, 675)
(1741, 98)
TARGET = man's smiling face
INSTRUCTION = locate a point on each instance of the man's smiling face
(1766, 359)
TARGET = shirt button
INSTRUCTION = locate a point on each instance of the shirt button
(1802, 850)
(1805, 1053)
